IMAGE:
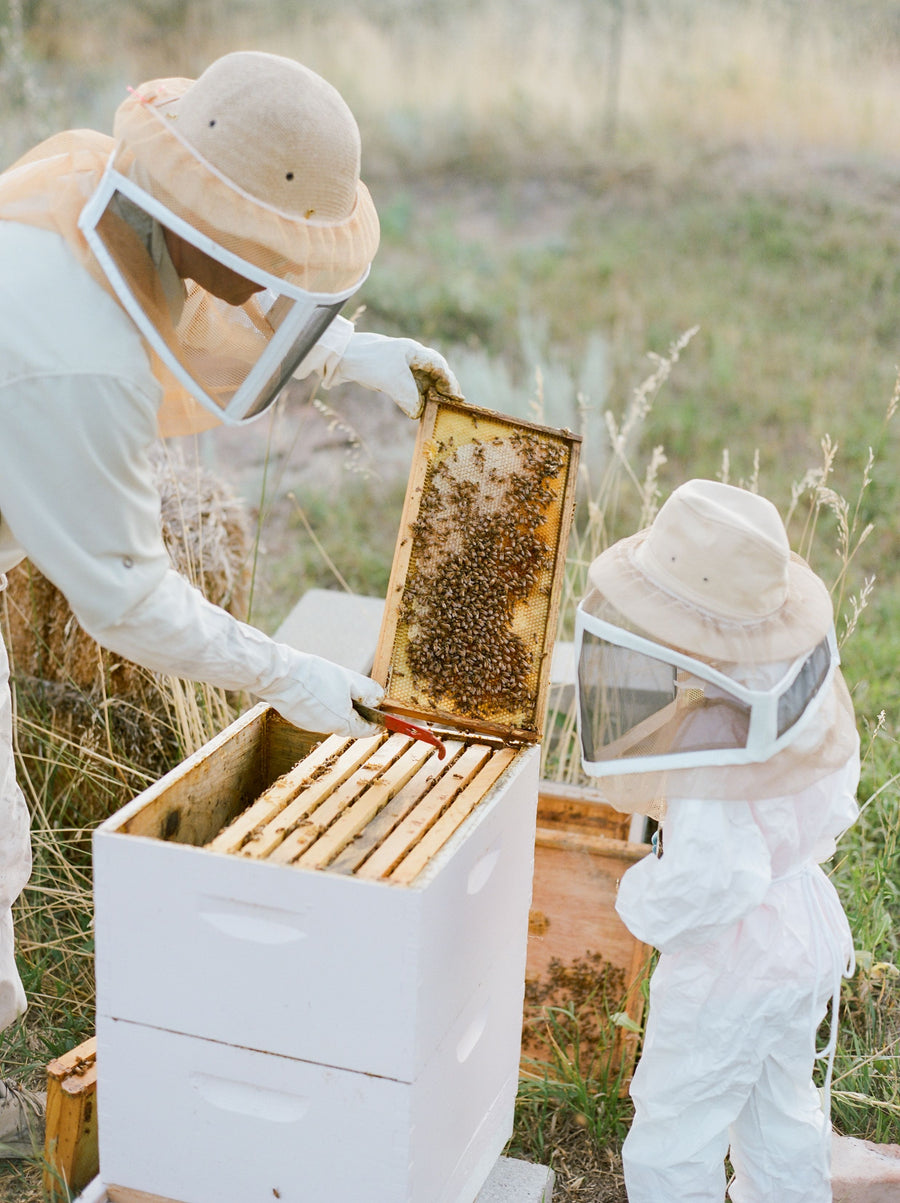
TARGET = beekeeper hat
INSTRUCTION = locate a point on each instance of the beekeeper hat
(256, 165)
(263, 156)
(712, 581)
(714, 576)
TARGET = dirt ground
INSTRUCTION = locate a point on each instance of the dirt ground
(314, 441)
(584, 1173)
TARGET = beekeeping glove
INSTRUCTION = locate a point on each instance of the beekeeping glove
(400, 367)
(318, 695)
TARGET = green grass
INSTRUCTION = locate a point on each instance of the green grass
(866, 1087)
(312, 543)
(795, 299)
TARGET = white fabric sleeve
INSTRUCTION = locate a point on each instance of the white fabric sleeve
(77, 490)
(715, 869)
(176, 630)
(835, 799)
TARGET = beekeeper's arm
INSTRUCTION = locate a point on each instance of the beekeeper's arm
(399, 367)
(77, 490)
(715, 869)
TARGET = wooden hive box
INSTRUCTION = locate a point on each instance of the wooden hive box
(580, 953)
(70, 1145)
(310, 954)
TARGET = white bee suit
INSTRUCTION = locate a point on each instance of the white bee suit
(710, 694)
(78, 416)
(15, 853)
(77, 420)
(753, 943)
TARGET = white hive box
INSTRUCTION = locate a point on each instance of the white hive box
(319, 966)
(327, 1034)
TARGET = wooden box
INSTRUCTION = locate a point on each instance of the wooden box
(579, 951)
(70, 1144)
(314, 1030)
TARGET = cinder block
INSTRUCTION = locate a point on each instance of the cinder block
(510, 1181)
(342, 627)
(514, 1181)
(864, 1172)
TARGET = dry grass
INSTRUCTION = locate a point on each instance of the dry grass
(498, 83)
(516, 75)
(585, 1172)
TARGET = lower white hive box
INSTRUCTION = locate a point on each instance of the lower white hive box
(273, 1030)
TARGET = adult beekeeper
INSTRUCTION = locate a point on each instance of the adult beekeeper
(155, 283)
(710, 696)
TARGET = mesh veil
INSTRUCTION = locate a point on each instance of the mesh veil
(826, 744)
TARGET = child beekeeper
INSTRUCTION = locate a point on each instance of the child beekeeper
(709, 695)
(158, 282)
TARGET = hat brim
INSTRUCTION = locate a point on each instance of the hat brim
(321, 256)
(803, 619)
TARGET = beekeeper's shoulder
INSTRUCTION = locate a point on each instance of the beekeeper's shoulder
(56, 319)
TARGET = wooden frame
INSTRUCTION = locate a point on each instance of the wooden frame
(581, 851)
(426, 452)
(70, 1142)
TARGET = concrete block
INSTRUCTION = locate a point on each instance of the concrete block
(511, 1181)
(864, 1172)
(514, 1181)
(342, 627)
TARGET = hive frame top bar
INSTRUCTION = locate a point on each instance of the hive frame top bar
(483, 535)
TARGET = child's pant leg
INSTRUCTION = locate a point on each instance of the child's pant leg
(780, 1141)
(653, 1175)
(691, 1084)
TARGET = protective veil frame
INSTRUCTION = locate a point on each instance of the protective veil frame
(297, 332)
(763, 739)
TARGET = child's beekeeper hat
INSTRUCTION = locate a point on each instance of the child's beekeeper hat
(707, 662)
(256, 164)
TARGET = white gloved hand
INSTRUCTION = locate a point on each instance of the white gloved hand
(400, 367)
(318, 696)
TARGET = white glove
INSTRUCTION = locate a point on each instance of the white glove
(318, 696)
(400, 367)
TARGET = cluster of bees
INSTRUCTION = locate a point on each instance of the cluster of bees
(477, 555)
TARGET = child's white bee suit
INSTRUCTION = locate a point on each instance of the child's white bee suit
(752, 935)
(753, 942)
